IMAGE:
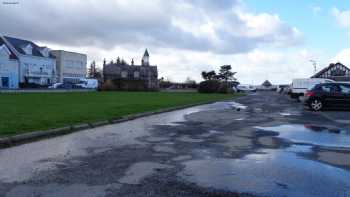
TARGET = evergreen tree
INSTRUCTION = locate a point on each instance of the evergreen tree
(92, 70)
(226, 74)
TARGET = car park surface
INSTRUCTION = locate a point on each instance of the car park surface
(263, 144)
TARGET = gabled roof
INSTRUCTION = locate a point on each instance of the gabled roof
(267, 83)
(18, 44)
(146, 53)
(12, 54)
(317, 75)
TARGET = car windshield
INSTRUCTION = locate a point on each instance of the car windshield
(312, 87)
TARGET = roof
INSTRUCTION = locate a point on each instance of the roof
(12, 55)
(267, 83)
(64, 51)
(317, 75)
(146, 53)
(19, 43)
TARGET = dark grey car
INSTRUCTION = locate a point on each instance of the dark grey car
(329, 95)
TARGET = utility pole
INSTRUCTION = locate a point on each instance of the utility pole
(314, 63)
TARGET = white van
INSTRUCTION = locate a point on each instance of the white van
(88, 83)
(300, 86)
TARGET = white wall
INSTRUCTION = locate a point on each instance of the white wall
(70, 64)
(30, 66)
(8, 68)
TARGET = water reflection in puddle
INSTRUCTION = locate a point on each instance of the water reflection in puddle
(237, 106)
(273, 173)
(179, 118)
(311, 134)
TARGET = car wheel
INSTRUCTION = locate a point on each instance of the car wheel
(316, 104)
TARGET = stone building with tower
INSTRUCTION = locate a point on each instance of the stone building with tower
(145, 75)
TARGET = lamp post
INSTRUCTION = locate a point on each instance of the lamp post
(314, 63)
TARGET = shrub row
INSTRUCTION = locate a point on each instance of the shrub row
(214, 86)
(125, 85)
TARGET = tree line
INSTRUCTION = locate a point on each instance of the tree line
(225, 74)
(221, 82)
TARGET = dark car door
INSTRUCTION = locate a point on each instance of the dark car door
(337, 96)
(332, 95)
(345, 90)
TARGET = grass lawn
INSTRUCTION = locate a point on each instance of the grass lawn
(39, 111)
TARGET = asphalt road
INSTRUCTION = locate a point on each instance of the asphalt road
(262, 144)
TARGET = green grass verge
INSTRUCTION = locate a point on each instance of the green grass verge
(27, 112)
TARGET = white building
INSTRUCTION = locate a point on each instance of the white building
(8, 67)
(36, 64)
(70, 66)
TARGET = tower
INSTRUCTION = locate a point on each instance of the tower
(145, 59)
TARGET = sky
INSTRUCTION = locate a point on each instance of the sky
(269, 39)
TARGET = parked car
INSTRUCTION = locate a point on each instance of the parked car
(328, 95)
(283, 88)
(65, 86)
(88, 83)
(246, 88)
(54, 86)
(300, 86)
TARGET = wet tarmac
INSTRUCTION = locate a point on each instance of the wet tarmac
(263, 144)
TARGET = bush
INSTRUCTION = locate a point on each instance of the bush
(209, 86)
(214, 86)
(108, 85)
(225, 88)
(125, 85)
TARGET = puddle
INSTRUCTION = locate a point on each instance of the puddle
(236, 105)
(271, 173)
(289, 113)
(343, 121)
(285, 114)
(311, 134)
(258, 110)
(166, 149)
(180, 117)
(156, 139)
(182, 158)
(188, 139)
(211, 133)
(141, 170)
(239, 119)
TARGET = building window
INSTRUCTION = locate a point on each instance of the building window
(124, 74)
(136, 74)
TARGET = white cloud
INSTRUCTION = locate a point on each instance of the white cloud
(184, 37)
(342, 17)
(220, 26)
(343, 57)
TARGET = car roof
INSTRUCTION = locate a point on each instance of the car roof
(334, 83)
